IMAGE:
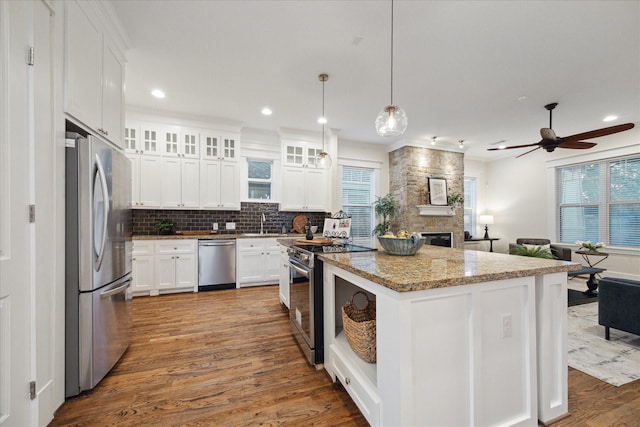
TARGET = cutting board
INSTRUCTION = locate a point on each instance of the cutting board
(298, 223)
(315, 242)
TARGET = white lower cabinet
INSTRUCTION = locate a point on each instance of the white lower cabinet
(258, 262)
(164, 266)
(143, 265)
(284, 276)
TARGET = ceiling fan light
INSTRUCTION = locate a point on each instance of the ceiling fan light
(391, 121)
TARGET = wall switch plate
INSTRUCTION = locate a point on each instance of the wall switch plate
(230, 226)
(215, 226)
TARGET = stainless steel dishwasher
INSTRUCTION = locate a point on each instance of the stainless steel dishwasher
(216, 264)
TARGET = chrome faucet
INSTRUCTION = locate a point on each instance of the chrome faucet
(262, 220)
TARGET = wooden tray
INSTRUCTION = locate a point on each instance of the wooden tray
(315, 242)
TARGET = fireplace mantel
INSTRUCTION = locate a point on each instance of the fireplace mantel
(430, 210)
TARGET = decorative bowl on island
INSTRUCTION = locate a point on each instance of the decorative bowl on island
(401, 245)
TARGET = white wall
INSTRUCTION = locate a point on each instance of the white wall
(521, 197)
(352, 150)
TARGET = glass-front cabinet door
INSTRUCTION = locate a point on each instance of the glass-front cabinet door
(190, 143)
(219, 147)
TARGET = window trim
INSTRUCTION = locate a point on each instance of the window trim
(248, 180)
(552, 195)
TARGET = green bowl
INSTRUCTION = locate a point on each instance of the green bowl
(401, 246)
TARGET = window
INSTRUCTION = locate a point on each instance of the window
(357, 198)
(600, 201)
(470, 205)
(259, 179)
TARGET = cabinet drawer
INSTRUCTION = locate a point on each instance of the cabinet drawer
(175, 246)
(357, 386)
(248, 244)
(142, 247)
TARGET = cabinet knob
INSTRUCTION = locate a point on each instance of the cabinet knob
(347, 380)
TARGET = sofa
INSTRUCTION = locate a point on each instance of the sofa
(618, 302)
(560, 252)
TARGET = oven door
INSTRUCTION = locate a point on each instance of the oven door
(301, 306)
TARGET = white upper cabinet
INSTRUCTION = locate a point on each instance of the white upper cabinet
(176, 166)
(304, 186)
(220, 147)
(304, 189)
(94, 79)
(300, 153)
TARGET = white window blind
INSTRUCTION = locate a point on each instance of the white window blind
(600, 201)
(357, 198)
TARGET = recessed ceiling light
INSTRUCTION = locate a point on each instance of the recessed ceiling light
(322, 120)
(522, 98)
(266, 111)
(610, 118)
(158, 93)
(502, 147)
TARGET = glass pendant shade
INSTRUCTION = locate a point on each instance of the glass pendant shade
(323, 160)
(391, 121)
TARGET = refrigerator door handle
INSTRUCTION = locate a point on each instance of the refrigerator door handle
(110, 292)
(105, 209)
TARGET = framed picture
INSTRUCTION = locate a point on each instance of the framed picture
(438, 191)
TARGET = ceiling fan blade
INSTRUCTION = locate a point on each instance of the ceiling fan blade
(513, 146)
(598, 132)
(548, 133)
(530, 151)
(577, 144)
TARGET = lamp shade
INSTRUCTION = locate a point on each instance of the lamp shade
(486, 219)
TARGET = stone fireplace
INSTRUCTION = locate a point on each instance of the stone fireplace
(409, 171)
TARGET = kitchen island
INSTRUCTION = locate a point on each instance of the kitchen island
(463, 337)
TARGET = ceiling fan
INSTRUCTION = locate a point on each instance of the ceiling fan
(550, 141)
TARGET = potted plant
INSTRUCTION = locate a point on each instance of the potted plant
(533, 251)
(588, 246)
(166, 226)
(386, 208)
(454, 200)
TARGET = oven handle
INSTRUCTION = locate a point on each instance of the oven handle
(304, 272)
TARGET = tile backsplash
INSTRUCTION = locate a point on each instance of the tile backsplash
(247, 219)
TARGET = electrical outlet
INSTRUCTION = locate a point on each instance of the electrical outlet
(507, 324)
(230, 226)
(215, 226)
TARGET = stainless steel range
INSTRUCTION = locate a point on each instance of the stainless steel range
(305, 293)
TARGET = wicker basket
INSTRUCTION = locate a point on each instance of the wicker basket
(360, 327)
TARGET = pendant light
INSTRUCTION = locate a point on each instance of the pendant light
(323, 159)
(392, 120)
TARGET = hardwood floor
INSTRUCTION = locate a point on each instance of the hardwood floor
(227, 358)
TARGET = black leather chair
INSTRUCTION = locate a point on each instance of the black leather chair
(560, 252)
(618, 302)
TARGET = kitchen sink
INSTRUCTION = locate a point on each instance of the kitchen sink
(262, 235)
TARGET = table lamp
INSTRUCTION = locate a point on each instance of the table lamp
(486, 220)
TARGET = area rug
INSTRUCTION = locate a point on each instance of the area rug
(616, 362)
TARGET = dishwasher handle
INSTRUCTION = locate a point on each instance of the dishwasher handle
(232, 243)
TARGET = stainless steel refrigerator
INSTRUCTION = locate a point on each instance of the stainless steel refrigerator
(98, 260)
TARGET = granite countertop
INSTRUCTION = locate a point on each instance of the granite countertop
(207, 235)
(437, 267)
